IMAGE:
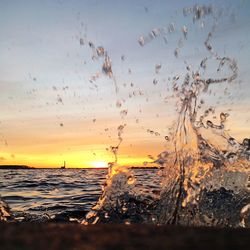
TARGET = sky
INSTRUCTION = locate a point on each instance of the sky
(56, 105)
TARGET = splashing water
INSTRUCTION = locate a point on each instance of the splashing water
(205, 173)
(119, 181)
(5, 214)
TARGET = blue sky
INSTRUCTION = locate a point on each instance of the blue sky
(42, 62)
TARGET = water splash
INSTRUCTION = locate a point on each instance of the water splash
(5, 214)
(119, 185)
(204, 168)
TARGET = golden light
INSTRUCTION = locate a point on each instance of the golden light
(99, 164)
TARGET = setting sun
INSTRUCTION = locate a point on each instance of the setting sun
(99, 164)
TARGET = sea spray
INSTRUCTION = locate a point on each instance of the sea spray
(204, 171)
(119, 186)
(5, 214)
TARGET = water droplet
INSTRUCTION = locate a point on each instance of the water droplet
(141, 40)
(81, 41)
(185, 31)
(223, 117)
(176, 52)
(157, 68)
(59, 99)
(124, 112)
(210, 124)
(107, 67)
(100, 51)
(171, 27)
(155, 81)
(246, 142)
(151, 157)
(91, 45)
(118, 104)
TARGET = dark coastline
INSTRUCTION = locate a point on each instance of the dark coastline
(15, 167)
(117, 236)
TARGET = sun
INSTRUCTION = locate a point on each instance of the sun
(99, 164)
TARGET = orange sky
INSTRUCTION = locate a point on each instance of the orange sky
(79, 144)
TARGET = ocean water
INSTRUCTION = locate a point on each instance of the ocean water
(59, 195)
(51, 193)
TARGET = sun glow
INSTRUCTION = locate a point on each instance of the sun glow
(99, 164)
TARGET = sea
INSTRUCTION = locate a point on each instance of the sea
(59, 195)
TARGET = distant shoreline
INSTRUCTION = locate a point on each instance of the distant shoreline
(15, 167)
(22, 167)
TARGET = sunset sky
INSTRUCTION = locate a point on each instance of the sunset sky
(53, 109)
